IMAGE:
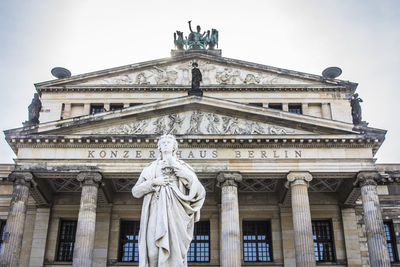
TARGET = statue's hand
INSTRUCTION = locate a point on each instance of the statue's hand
(159, 181)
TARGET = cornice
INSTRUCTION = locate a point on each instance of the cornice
(184, 88)
(353, 141)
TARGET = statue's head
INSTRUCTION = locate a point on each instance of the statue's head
(356, 95)
(36, 96)
(195, 65)
(198, 28)
(167, 143)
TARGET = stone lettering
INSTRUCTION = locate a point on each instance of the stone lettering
(264, 154)
(91, 154)
(275, 155)
(214, 154)
(152, 154)
(237, 154)
(191, 156)
(138, 154)
(297, 153)
(126, 154)
(114, 154)
(251, 154)
(203, 153)
(179, 154)
(103, 154)
(286, 154)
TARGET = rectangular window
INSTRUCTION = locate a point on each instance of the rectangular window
(135, 104)
(295, 108)
(66, 240)
(391, 241)
(2, 232)
(257, 243)
(256, 104)
(323, 241)
(116, 106)
(275, 106)
(128, 241)
(96, 108)
(199, 250)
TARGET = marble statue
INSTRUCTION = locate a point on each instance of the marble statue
(173, 197)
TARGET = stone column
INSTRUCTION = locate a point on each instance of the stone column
(85, 232)
(302, 228)
(377, 246)
(16, 218)
(230, 226)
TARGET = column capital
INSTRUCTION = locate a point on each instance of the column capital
(229, 178)
(300, 177)
(89, 178)
(21, 177)
(367, 178)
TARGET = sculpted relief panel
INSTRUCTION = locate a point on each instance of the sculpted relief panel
(180, 73)
(196, 122)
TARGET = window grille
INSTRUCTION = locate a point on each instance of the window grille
(323, 241)
(275, 106)
(295, 108)
(391, 241)
(199, 250)
(66, 240)
(128, 241)
(2, 232)
(257, 243)
(96, 108)
(116, 106)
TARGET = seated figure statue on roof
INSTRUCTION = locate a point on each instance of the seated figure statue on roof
(173, 197)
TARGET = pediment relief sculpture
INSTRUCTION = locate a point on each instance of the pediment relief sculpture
(197, 122)
(213, 74)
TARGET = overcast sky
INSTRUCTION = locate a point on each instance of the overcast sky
(361, 37)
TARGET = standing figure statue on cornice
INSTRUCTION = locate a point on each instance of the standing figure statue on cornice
(356, 109)
(173, 197)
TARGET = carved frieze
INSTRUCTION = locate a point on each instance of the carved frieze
(196, 122)
(180, 74)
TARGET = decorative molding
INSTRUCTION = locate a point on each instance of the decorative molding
(298, 178)
(21, 178)
(89, 178)
(258, 185)
(229, 178)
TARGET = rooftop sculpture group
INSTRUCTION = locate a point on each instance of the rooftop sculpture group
(196, 40)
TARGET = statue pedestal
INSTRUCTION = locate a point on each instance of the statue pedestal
(214, 52)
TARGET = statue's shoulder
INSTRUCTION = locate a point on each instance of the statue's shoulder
(186, 165)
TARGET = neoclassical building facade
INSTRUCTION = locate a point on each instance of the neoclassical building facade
(290, 180)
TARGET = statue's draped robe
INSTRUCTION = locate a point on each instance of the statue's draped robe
(168, 214)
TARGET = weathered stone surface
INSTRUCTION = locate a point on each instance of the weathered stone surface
(86, 228)
(16, 219)
(302, 228)
(230, 228)
(377, 246)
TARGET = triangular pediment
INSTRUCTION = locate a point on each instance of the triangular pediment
(191, 115)
(176, 71)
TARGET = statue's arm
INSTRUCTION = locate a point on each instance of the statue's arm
(142, 187)
(187, 174)
(190, 26)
